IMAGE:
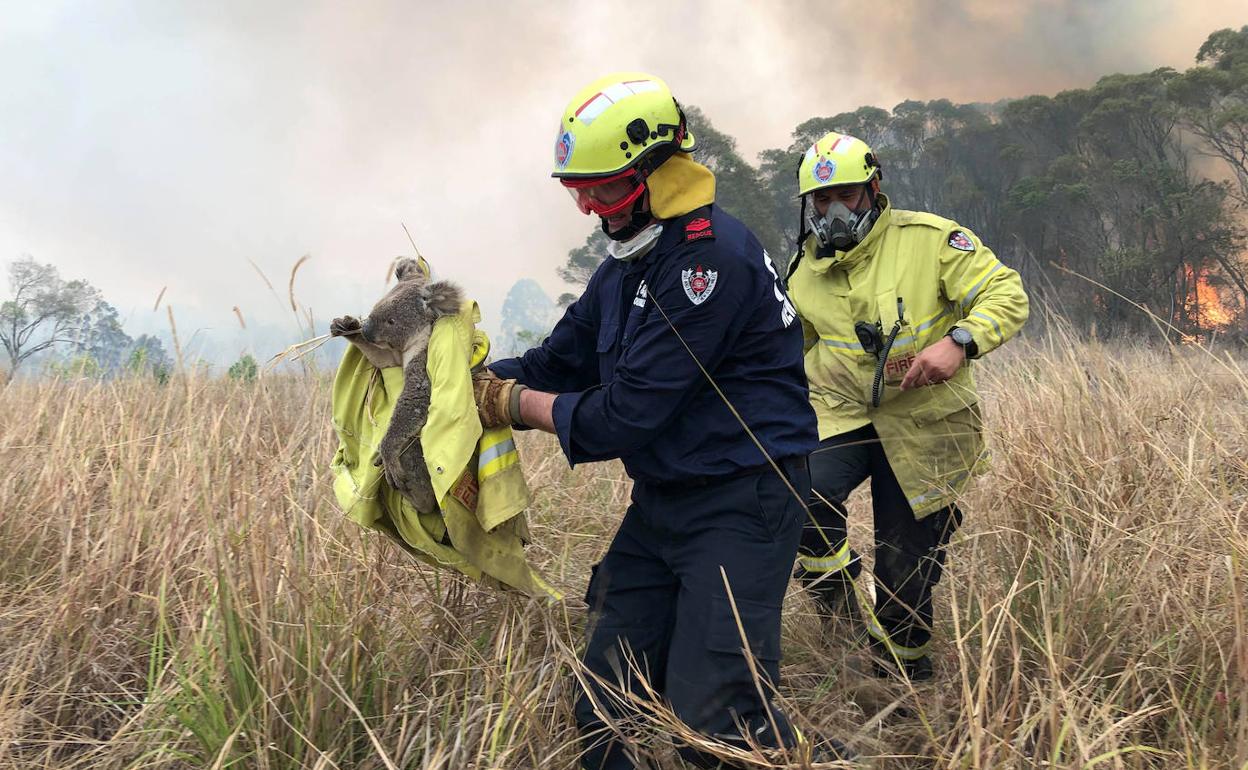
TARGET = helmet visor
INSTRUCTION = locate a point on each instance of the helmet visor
(606, 196)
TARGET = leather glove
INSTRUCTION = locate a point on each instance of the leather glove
(498, 401)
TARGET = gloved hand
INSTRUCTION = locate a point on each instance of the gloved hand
(498, 401)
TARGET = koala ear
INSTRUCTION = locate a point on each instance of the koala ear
(408, 269)
(443, 298)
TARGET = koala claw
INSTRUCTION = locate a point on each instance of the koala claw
(345, 326)
(419, 495)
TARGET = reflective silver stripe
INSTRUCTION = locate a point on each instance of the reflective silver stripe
(928, 324)
(996, 327)
(954, 480)
(901, 651)
(922, 328)
(842, 345)
(970, 295)
(834, 563)
(495, 452)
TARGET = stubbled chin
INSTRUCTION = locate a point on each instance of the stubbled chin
(616, 223)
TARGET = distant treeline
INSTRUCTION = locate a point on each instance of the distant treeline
(53, 326)
(1132, 191)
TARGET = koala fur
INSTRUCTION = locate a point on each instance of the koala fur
(396, 333)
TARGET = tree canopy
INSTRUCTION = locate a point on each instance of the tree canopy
(1132, 191)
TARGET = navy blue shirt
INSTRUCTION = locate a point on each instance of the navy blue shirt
(625, 358)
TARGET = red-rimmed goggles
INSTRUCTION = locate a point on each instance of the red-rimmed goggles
(606, 196)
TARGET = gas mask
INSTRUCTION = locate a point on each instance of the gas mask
(839, 228)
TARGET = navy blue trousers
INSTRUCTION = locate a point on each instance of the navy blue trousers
(658, 604)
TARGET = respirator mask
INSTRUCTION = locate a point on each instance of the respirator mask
(839, 228)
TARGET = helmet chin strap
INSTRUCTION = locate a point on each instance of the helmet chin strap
(635, 225)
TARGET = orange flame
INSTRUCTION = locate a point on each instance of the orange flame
(1205, 306)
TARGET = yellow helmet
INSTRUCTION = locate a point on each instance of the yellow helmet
(619, 122)
(835, 160)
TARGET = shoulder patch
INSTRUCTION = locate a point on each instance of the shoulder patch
(699, 282)
(960, 241)
(698, 228)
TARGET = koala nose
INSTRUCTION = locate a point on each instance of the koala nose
(367, 330)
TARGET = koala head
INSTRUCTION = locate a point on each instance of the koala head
(408, 269)
(405, 315)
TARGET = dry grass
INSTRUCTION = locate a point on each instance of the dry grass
(178, 589)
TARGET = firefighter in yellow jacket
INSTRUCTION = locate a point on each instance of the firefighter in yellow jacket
(895, 305)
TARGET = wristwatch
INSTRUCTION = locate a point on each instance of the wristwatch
(964, 340)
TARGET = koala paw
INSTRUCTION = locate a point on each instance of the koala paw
(421, 498)
(417, 490)
(345, 326)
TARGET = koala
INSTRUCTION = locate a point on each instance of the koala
(396, 333)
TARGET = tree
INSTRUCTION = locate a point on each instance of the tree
(44, 311)
(526, 340)
(737, 183)
(1213, 105)
(584, 260)
(528, 315)
(245, 369)
(148, 357)
(1214, 102)
(1103, 182)
(100, 336)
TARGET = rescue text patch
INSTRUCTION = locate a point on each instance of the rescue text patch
(466, 490)
(698, 228)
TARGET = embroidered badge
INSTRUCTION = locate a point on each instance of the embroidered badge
(824, 170)
(563, 149)
(960, 242)
(466, 490)
(698, 228)
(699, 282)
(896, 368)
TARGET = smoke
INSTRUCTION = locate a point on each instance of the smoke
(168, 143)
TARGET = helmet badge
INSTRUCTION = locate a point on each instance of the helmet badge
(563, 148)
(824, 170)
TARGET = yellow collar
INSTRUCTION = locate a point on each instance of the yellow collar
(848, 259)
(679, 186)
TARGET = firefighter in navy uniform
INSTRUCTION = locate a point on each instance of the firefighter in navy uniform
(687, 302)
(894, 307)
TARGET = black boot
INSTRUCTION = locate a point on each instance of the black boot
(833, 750)
(917, 670)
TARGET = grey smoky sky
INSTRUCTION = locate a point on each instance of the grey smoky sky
(166, 143)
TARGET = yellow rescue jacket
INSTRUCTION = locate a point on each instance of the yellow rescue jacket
(944, 276)
(476, 475)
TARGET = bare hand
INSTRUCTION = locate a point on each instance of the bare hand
(936, 363)
(537, 410)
